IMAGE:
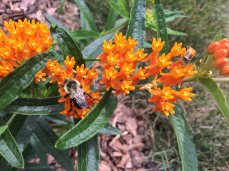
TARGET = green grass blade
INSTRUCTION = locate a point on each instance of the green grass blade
(32, 106)
(217, 95)
(123, 12)
(112, 17)
(186, 146)
(66, 44)
(9, 148)
(48, 138)
(136, 27)
(87, 14)
(14, 83)
(109, 129)
(84, 34)
(93, 122)
(88, 155)
(161, 25)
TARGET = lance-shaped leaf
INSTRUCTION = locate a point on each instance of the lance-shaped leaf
(161, 25)
(123, 12)
(87, 14)
(66, 44)
(14, 83)
(186, 146)
(112, 17)
(93, 122)
(48, 138)
(21, 129)
(32, 106)
(84, 34)
(88, 155)
(37, 167)
(9, 148)
(96, 48)
(136, 27)
(109, 129)
(38, 148)
(217, 94)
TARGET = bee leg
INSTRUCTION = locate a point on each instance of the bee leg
(70, 106)
(74, 75)
(66, 95)
(90, 96)
(62, 85)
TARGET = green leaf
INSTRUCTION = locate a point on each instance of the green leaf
(87, 14)
(88, 155)
(58, 118)
(177, 33)
(9, 148)
(186, 146)
(93, 122)
(84, 34)
(39, 149)
(147, 45)
(123, 4)
(48, 138)
(14, 83)
(217, 94)
(21, 129)
(172, 15)
(161, 25)
(84, 23)
(67, 44)
(136, 27)
(54, 21)
(32, 106)
(123, 12)
(109, 129)
(37, 167)
(95, 48)
(111, 19)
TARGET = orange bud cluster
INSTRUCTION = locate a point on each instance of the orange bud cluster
(120, 72)
(83, 75)
(25, 40)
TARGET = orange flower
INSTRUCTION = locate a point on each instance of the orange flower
(91, 75)
(140, 75)
(177, 50)
(157, 45)
(112, 60)
(39, 77)
(49, 67)
(130, 44)
(81, 72)
(69, 64)
(120, 42)
(125, 72)
(162, 62)
(123, 87)
(58, 74)
(185, 95)
(165, 108)
(109, 76)
(93, 99)
(81, 113)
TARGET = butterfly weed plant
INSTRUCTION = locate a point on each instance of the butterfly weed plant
(38, 84)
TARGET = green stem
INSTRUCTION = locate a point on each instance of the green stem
(102, 89)
(11, 119)
(202, 62)
(115, 28)
(91, 59)
(32, 89)
(209, 62)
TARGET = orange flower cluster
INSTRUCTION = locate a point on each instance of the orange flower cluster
(120, 62)
(83, 75)
(25, 40)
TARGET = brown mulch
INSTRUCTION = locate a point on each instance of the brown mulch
(127, 151)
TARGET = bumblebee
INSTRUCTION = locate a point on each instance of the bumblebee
(74, 90)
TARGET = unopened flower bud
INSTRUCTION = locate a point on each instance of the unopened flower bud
(220, 54)
(223, 46)
(213, 47)
(224, 71)
(220, 63)
(224, 40)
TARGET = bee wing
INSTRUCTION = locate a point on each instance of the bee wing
(80, 98)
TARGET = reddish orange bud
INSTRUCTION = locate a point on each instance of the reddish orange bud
(224, 40)
(224, 71)
(224, 46)
(213, 47)
(220, 63)
(220, 54)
